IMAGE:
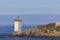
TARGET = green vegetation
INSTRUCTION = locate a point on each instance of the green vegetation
(58, 28)
(50, 27)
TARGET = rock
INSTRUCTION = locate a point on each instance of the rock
(40, 31)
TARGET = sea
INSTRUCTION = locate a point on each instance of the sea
(6, 30)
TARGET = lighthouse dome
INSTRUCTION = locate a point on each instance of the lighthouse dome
(18, 19)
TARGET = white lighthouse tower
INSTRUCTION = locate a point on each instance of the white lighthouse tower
(18, 25)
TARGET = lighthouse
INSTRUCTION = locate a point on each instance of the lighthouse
(18, 25)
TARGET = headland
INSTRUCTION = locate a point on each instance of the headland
(49, 30)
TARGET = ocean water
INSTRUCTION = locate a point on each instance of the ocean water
(5, 30)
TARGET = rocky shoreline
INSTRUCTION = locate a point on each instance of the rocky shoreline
(39, 31)
(31, 33)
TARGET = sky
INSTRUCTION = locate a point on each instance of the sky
(29, 7)
(30, 11)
